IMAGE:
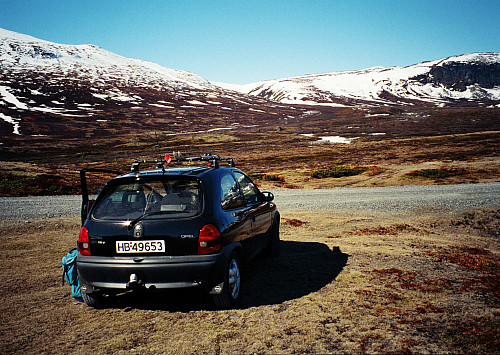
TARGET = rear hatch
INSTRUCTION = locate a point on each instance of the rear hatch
(153, 215)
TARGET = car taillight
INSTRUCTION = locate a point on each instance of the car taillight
(83, 242)
(209, 240)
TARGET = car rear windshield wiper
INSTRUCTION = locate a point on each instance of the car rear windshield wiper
(141, 217)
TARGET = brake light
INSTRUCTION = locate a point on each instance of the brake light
(209, 240)
(83, 242)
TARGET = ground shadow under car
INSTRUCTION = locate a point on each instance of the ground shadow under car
(302, 268)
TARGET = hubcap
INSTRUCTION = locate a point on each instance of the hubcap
(234, 279)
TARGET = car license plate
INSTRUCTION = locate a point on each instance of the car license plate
(143, 246)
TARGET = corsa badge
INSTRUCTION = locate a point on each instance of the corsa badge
(138, 230)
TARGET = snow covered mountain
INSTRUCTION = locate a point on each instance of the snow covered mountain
(49, 88)
(470, 79)
(20, 52)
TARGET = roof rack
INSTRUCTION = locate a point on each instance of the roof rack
(179, 158)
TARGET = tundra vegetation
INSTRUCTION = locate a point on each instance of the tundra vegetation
(420, 146)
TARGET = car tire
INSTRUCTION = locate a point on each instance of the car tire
(93, 300)
(231, 291)
(273, 249)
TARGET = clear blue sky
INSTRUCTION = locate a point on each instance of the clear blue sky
(238, 41)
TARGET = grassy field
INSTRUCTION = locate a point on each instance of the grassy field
(345, 282)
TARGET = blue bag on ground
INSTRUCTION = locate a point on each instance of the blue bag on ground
(70, 273)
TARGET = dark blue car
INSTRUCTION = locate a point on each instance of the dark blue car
(177, 227)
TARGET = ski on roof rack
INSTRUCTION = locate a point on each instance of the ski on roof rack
(179, 158)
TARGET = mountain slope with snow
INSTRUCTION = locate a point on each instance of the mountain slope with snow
(93, 63)
(48, 88)
(466, 79)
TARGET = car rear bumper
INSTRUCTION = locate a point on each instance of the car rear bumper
(97, 273)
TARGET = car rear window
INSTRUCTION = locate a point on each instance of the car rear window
(154, 197)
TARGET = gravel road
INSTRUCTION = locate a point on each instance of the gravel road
(394, 200)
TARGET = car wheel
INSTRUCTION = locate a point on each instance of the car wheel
(230, 294)
(93, 300)
(273, 249)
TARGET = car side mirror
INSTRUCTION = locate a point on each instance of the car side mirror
(268, 196)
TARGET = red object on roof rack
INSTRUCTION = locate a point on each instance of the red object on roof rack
(213, 160)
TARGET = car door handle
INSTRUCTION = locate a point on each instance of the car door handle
(238, 214)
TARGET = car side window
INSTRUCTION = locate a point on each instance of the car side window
(250, 191)
(230, 194)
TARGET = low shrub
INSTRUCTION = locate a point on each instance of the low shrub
(294, 222)
(478, 335)
(273, 178)
(265, 177)
(375, 170)
(38, 185)
(255, 175)
(441, 173)
(337, 172)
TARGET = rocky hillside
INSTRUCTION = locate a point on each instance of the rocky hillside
(466, 80)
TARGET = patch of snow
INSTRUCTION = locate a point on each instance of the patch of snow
(378, 114)
(11, 99)
(210, 130)
(241, 102)
(232, 87)
(13, 121)
(336, 139)
(70, 115)
(161, 106)
(123, 98)
(87, 107)
(100, 96)
(38, 93)
(329, 139)
(196, 102)
(309, 102)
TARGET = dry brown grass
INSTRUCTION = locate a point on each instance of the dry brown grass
(345, 283)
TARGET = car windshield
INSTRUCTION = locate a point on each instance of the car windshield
(158, 197)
